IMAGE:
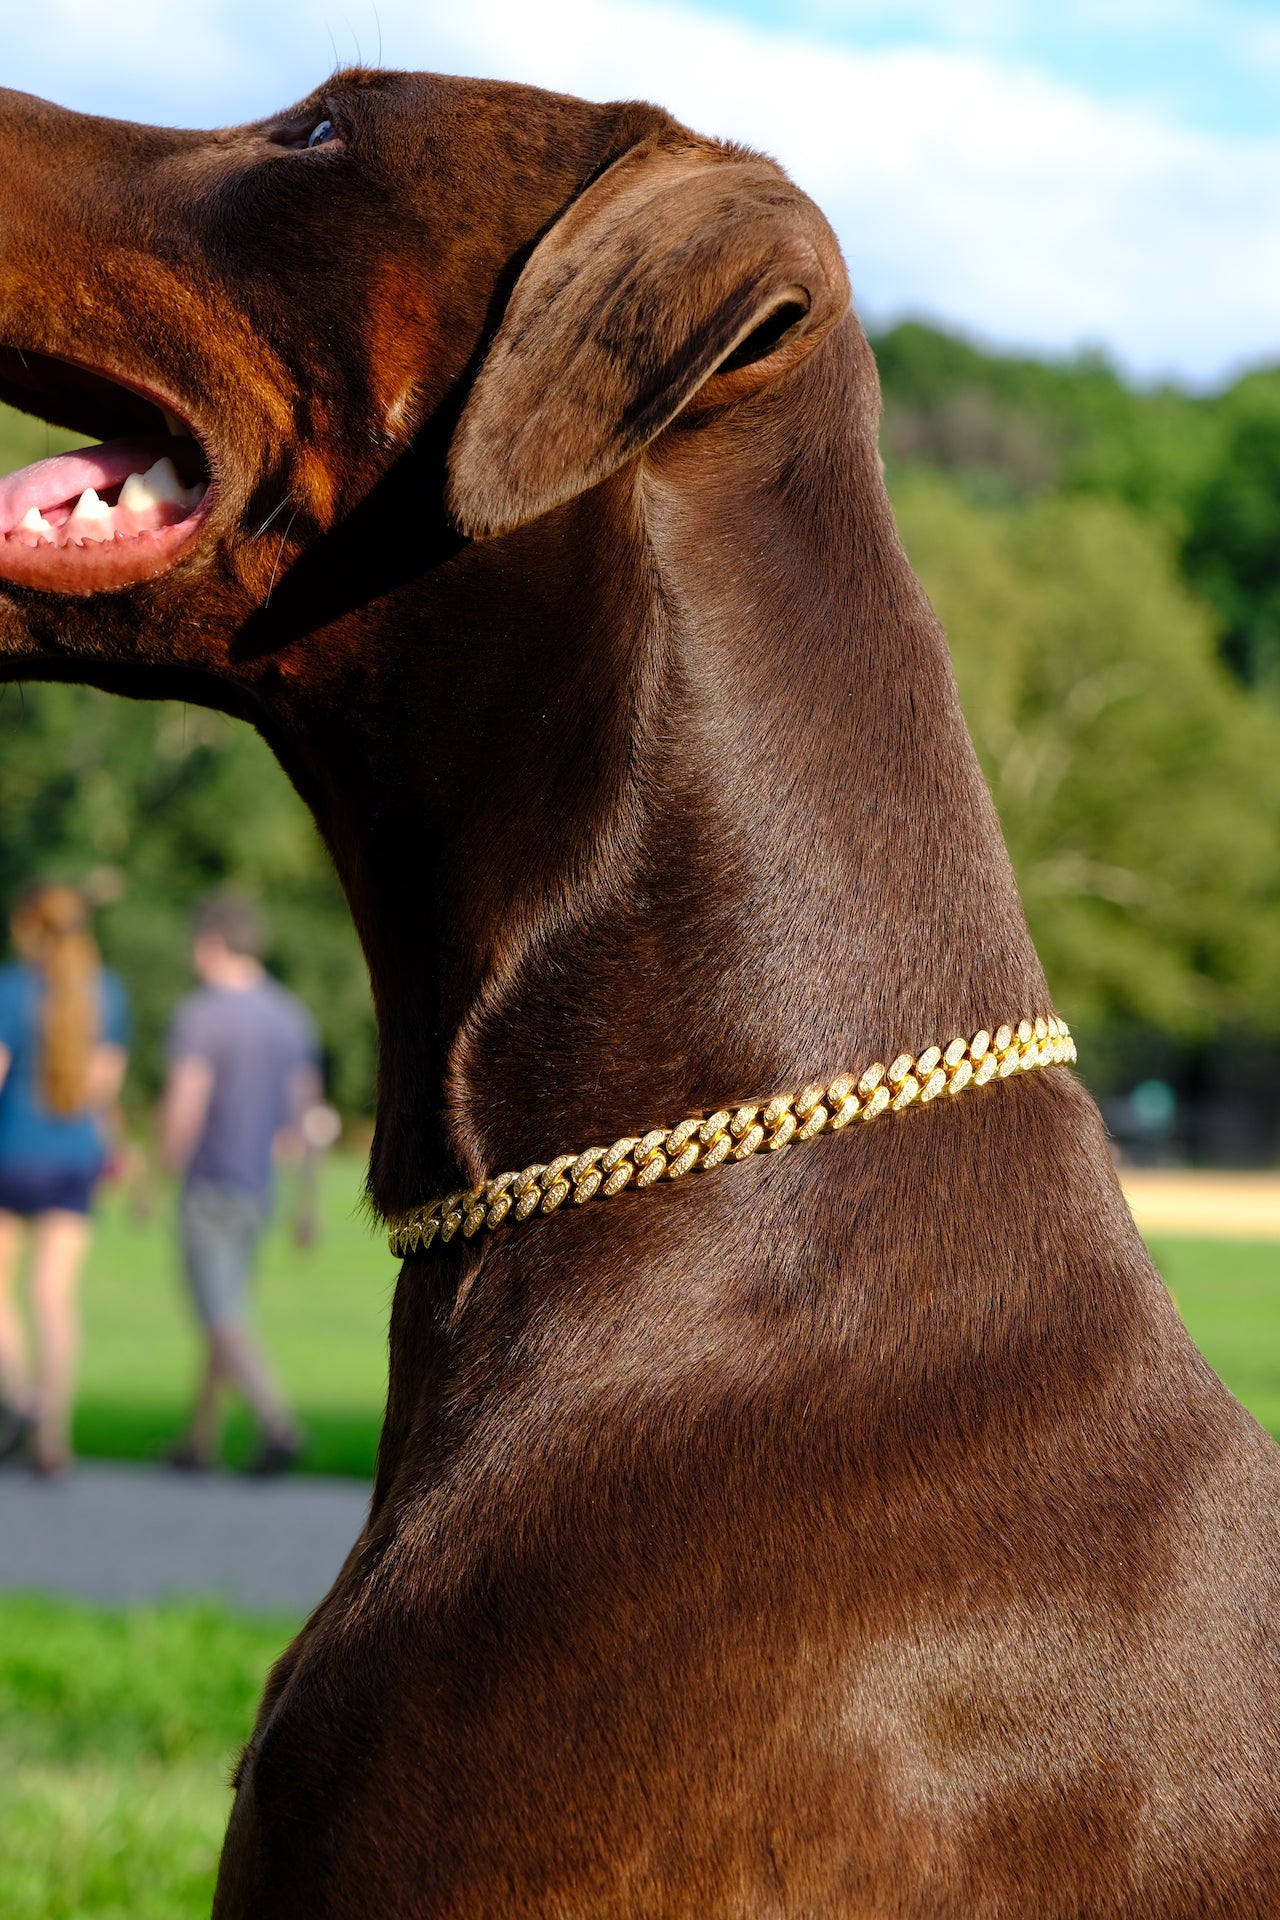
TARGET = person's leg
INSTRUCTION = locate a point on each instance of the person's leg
(61, 1242)
(15, 1371)
(220, 1231)
(244, 1363)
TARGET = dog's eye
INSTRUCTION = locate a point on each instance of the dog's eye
(322, 133)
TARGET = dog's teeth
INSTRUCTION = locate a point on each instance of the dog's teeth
(33, 521)
(194, 495)
(175, 426)
(163, 487)
(91, 518)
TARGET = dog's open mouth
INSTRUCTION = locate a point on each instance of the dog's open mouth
(104, 516)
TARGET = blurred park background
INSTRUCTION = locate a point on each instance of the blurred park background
(1084, 455)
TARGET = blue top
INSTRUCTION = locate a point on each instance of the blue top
(29, 1130)
(256, 1039)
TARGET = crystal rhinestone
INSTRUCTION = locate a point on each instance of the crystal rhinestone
(906, 1093)
(655, 1138)
(714, 1124)
(719, 1149)
(550, 1175)
(900, 1069)
(618, 1151)
(499, 1210)
(584, 1162)
(927, 1062)
(808, 1100)
(742, 1120)
(653, 1169)
(686, 1159)
(814, 1124)
(980, 1045)
(452, 1221)
(961, 1075)
(749, 1143)
(1025, 1031)
(556, 1194)
(529, 1178)
(1042, 1028)
(497, 1185)
(618, 1179)
(780, 1104)
(527, 1202)
(879, 1100)
(678, 1135)
(586, 1185)
(987, 1069)
(1003, 1039)
(1010, 1061)
(840, 1089)
(430, 1228)
(848, 1110)
(472, 1221)
(955, 1053)
(871, 1079)
(934, 1085)
(782, 1132)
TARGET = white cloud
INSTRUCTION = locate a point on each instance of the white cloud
(963, 186)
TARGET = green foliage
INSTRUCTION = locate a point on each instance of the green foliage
(1232, 550)
(1138, 784)
(118, 1731)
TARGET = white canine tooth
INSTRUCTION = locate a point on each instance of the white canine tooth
(163, 485)
(175, 426)
(33, 521)
(91, 518)
(159, 487)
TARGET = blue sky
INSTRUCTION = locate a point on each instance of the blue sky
(1211, 66)
(1090, 173)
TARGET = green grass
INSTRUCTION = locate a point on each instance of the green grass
(322, 1313)
(118, 1732)
(1228, 1292)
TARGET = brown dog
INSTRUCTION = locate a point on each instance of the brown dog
(854, 1531)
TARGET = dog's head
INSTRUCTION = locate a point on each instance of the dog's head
(414, 310)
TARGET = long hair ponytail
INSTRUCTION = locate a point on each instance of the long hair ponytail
(51, 930)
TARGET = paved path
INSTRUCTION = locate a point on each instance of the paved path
(1204, 1203)
(119, 1533)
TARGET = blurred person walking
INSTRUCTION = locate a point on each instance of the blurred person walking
(243, 1073)
(64, 1028)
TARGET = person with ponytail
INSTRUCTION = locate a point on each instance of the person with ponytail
(63, 1033)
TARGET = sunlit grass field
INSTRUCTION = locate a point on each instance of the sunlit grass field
(118, 1728)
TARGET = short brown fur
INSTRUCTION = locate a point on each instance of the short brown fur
(854, 1533)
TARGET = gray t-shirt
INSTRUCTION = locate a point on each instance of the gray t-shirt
(256, 1040)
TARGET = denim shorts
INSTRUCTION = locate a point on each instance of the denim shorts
(220, 1229)
(29, 1187)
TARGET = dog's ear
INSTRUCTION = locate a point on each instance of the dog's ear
(680, 277)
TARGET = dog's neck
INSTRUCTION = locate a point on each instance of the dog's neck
(692, 814)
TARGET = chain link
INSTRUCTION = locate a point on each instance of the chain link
(706, 1142)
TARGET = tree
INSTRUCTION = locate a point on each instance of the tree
(1138, 784)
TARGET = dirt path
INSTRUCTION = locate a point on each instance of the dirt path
(1210, 1206)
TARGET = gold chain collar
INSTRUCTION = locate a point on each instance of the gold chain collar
(706, 1142)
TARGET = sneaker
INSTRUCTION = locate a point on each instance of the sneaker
(274, 1456)
(185, 1457)
(15, 1431)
